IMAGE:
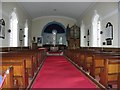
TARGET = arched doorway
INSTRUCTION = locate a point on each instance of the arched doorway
(54, 34)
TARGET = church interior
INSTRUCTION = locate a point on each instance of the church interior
(59, 45)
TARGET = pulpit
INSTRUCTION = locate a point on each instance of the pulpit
(73, 37)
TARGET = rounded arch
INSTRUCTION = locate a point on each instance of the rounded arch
(47, 33)
(59, 27)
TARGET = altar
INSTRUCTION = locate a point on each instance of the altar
(54, 48)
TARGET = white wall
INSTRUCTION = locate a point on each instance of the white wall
(108, 12)
(119, 24)
(0, 9)
(39, 23)
(0, 17)
(7, 8)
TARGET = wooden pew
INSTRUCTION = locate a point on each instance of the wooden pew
(19, 74)
(28, 53)
(119, 80)
(25, 54)
(38, 55)
(110, 71)
(78, 58)
(42, 53)
(33, 58)
(18, 56)
(95, 57)
(87, 59)
(7, 80)
(81, 58)
(97, 64)
(76, 55)
(98, 61)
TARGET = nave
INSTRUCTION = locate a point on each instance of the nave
(59, 45)
(26, 69)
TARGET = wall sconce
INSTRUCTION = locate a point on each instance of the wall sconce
(88, 32)
(103, 43)
(24, 36)
(84, 36)
(101, 32)
(21, 34)
(9, 31)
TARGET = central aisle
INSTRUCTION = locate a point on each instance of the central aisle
(58, 72)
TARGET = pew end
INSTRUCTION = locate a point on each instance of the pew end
(20, 77)
(7, 80)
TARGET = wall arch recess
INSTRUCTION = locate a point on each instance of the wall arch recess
(48, 35)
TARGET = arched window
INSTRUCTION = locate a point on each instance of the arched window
(26, 34)
(96, 28)
(14, 29)
(98, 33)
(83, 35)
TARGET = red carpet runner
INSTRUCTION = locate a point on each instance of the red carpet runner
(57, 72)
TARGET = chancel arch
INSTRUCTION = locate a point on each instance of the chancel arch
(54, 33)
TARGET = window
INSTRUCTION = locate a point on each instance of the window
(96, 28)
(14, 29)
(98, 33)
(26, 34)
(83, 35)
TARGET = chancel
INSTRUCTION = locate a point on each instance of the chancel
(59, 45)
(53, 34)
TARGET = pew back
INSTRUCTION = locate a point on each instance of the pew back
(110, 71)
